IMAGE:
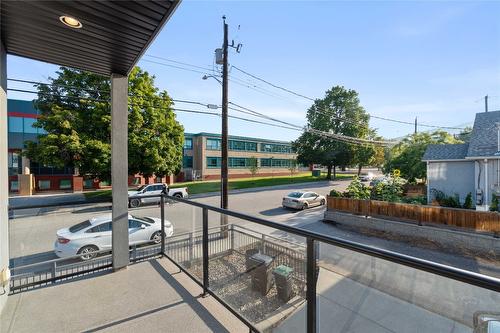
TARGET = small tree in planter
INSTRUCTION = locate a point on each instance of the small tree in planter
(358, 190)
(253, 165)
(390, 189)
(293, 168)
(468, 201)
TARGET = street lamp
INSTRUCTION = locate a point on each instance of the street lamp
(206, 77)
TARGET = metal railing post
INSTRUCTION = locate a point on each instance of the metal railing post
(311, 279)
(232, 237)
(162, 212)
(205, 251)
(54, 269)
(263, 244)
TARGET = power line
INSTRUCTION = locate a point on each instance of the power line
(311, 99)
(178, 62)
(272, 85)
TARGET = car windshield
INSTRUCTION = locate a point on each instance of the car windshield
(80, 226)
(144, 219)
(141, 188)
(295, 194)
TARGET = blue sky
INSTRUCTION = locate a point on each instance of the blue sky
(433, 60)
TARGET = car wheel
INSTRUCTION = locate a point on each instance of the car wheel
(305, 206)
(156, 237)
(88, 252)
(178, 195)
(134, 203)
(322, 202)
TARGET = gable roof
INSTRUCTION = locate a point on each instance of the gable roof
(484, 137)
(435, 152)
(483, 141)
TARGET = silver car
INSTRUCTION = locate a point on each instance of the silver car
(303, 200)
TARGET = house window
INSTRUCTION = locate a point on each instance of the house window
(44, 184)
(158, 180)
(187, 161)
(136, 181)
(213, 144)
(213, 162)
(188, 143)
(65, 184)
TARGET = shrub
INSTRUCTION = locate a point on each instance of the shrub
(336, 194)
(468, 201)
(390, 189)
(358, 190)
(494, 203)
(419, 200)
(444, 200)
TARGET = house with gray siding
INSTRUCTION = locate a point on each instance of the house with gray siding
(472, 167)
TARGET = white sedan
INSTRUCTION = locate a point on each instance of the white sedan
(303, 200)
(93, 235)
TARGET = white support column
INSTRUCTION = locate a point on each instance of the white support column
(119, 169)
(428, 184)
(487, 200)
(4, 174)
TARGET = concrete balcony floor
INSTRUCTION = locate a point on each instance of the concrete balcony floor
(150, 296)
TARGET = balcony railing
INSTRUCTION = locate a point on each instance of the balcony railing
(274, 276)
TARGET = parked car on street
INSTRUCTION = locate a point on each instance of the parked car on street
(303, 200)
(93, 235)
(377, 180)
(366, 177)
(135, 197)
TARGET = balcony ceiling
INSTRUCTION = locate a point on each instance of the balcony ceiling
(113, 36)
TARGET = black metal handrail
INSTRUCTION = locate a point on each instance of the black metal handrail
(312, 241)
(476, 279)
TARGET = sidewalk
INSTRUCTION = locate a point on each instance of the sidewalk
(344, 305)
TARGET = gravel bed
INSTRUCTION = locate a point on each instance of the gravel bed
(229, 280)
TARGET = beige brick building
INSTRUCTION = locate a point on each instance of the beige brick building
(202, 156)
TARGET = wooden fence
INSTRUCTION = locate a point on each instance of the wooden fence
(463, 218)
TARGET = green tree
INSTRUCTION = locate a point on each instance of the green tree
(75, 113)
(465, 134)
(338, 112)
(407, 154)
(253, 165)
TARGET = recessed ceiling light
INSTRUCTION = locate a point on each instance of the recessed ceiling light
(70, 21)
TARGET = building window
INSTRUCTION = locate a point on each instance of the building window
(65, 184)
(158, 180)
(213, 162)
(242, 145)
(14, 185)
(14, 165)
(188, 143)
(44, 184)
(88, 183)
(275, 148)
(136, 181)
(16, 124)
(187, 161)
(28, 126)
(238, 162)
(275, 163)
(213, 144)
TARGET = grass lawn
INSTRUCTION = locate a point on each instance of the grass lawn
(234, 184)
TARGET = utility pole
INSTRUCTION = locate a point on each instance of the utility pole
(224, 162)
(415, 125)
(486, 103)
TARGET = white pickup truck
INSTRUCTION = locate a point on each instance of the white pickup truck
(135, 198)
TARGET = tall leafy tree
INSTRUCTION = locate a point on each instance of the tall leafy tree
(407, 155)
(75, 113)
(338, 112)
